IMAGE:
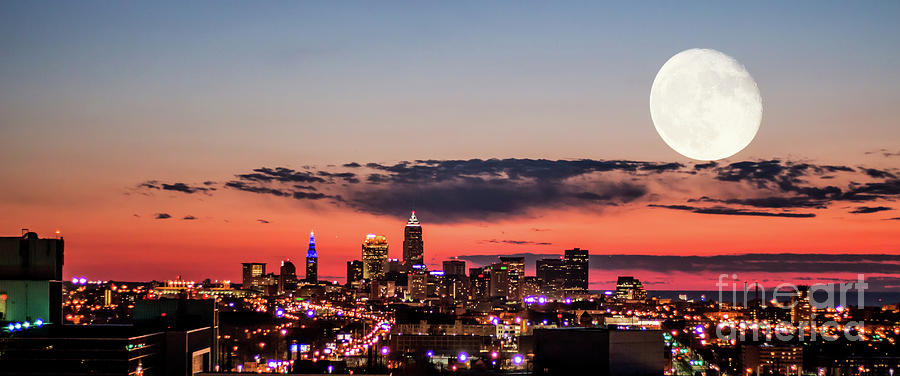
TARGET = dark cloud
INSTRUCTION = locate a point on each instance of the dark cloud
(704, 166)
(720, 210)
(177, 187)
(163, 216)
(876, 173)
(515, 242)
(885, 153)
(346, 176)
(309, 196)
(280, 174)
(189, 218)
(262, 221)
(870, 209)
(768, 202)
(239, 185)
(489, 189)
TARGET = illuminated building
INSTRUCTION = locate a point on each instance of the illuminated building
(413, 246)
(551, 275)
(418, 286)
(516, 275)
(576, 263)
(531, 286)
(770, 358)
(479, 279)
(498, 285)
(456, 287)
(287, 279)
(454, 267)
(374, 254)
(630, 288)
(312, 261)
(801, 309)
(31, 278)
(253, 274)
(354, 271)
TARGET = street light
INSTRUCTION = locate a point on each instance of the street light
(518, 359)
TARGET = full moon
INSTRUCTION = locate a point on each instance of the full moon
(705, 105)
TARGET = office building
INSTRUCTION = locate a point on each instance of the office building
(576, 263)
(413, 246)
(498, 282)
(354, 271)
(312, 261)
(630, 288)
(801, 309)
(287, 280)
(418, 286)
(253, 275)
(516, 275)
(479, 279)
(768, 358)
(551, 275)
(531, 286)
(455, 267)
(374, 254)
(31, 278)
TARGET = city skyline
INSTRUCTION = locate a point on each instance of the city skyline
(220, 187)
(235, 129)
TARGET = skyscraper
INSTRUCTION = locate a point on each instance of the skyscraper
(312, 260)
(374, 254)
(253, 275)
(354, 271)
(413, 246)
(576, 263)
(498, 282)
(551, 275)
(287, 280)
(479, 281)
(516, 275)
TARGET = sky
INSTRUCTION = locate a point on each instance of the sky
(510, 127)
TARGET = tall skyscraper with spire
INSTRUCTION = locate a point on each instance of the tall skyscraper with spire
(312, 260)
(413, 246)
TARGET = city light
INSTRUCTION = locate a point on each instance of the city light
(385, 350)
(518, 359)
(462, 357)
